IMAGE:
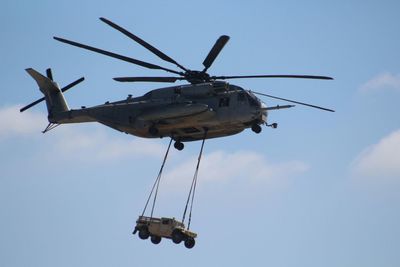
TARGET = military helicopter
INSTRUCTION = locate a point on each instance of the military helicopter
(206, 107)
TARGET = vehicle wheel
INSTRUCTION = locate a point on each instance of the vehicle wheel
(189, 242)
(155, 239)
(177, 236)
(256, 128)
(144, 233)
(179, 145)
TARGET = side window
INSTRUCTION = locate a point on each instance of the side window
(241, 97)
(224, 102)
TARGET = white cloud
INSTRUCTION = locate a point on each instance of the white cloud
(380, 161)
(96, 145)
(12, 122)
(383, 81)
(222, 167)
(64, 142)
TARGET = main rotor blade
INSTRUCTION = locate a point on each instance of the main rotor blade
(272, 76)
(148, 79)
(143, 43)
(65, 88)
(114, 55)
(215, 50)
(292, 101)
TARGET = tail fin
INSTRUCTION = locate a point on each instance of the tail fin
(52, 93)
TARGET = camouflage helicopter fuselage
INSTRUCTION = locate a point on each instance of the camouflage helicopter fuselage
(183, 113)
(206, 108)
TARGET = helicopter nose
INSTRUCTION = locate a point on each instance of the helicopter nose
(263, 105)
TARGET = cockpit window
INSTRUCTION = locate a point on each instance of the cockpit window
(253, 100)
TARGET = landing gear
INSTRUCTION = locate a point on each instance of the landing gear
(256, 128)
(179, 145)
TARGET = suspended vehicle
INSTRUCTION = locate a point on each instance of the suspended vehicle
(158, 228)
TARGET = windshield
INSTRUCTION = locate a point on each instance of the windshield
(253, 100)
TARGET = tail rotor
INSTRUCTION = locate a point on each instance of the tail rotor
(47, 86)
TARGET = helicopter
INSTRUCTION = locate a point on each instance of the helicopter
(206, 107)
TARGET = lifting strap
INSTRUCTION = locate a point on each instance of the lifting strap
(156, 184)
(192, 190)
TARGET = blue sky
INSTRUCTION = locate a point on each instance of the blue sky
(321, 190)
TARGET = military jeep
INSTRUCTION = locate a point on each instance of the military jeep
(157, 228)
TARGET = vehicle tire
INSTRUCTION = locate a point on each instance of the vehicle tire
(189, 242)
(144, 233)
(177, 236)
(155, 239)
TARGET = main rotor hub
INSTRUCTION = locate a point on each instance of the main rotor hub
(195, 76)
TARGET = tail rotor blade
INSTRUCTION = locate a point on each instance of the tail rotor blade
(292, 101)
(214, 52)
(49, 74)
(142, 43)
(65, 88)
(69, 86)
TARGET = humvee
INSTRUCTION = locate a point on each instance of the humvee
(157, 228)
